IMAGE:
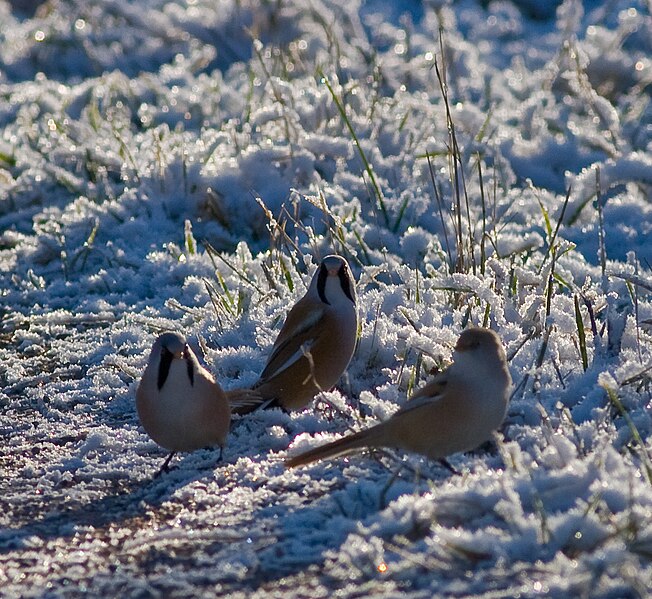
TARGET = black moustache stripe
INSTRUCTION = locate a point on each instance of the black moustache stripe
(191, 370)
(345, 283)
(164, 367)
(321, 284)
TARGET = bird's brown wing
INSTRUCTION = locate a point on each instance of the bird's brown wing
(433, 387)
(304, 323)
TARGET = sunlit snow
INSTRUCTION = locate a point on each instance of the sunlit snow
(184, 166)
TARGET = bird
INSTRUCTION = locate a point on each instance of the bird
(179, 403)
(314, 346)
(456, 411)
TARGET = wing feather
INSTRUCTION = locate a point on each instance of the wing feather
(303, 325)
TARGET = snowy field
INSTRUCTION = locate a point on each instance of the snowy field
(166, 165)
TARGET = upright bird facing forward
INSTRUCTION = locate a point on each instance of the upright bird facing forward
(314, 346)
(456, 411)
(179, 404)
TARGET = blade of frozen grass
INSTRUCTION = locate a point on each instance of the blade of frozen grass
(549, 290)
(633, 282)
(373, 352)
(616, 309)
(581, 333)
(487, 312)
(456, 169)
(402, 358)
(522, 386)
(276, 227)
(213, 253)
(189, 239)
(452, 167)
(410, 320)
(546, 218)
(8, 159)
(93, 114)
(336, 230)
(229, 304)
(634, 279)
(562, 282)
(250, 96)
(601, 236)
(612, 394)
(213, 295)
(467, 316)
(363, 246)
(485, 124)
(441, 213)
(83, 252)
(641, 379)
(634, 297)
(414, 374)
(356, 141)
(286, 274)
(483, 254)
(401, 213)
(257, 46)
(125, 152)
(173, 303)
(553, 236)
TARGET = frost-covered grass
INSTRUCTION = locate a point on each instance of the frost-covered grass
(172, 166)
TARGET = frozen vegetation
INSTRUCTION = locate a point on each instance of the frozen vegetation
(173, 165)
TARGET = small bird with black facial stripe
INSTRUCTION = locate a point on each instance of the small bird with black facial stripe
(314, 346)
(179, 404)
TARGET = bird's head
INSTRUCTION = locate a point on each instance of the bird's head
(333, 280)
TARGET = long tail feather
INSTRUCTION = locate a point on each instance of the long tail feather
(366, 438)
(243, 401)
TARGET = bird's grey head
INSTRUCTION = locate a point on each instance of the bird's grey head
(335, 268)
(172, 346)
(480, 338)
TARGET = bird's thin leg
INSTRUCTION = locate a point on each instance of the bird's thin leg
(165, 466)
(220, 456)
(417, 477)
(382, 498)
(446, 464)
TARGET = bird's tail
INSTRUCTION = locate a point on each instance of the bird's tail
(243, 401)
(366, 438)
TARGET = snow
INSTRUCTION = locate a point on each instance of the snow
(171, 166)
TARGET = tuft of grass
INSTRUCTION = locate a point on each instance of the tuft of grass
(125, 152)
(83, 252)
(290, 130)
(337, 232)
(214, 255)
(367, 166)
(614, 399)
(457, 177)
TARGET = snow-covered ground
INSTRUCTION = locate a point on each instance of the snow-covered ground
(173, 165)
